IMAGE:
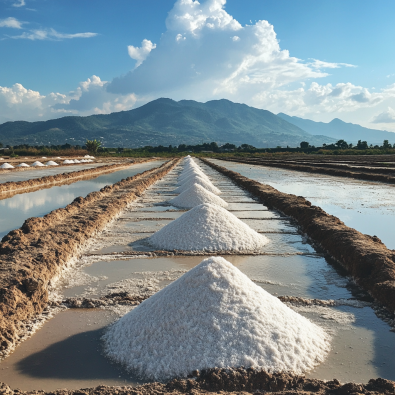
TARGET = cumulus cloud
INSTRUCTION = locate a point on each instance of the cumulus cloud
(19, 3)
(11, 22)
(387, 116)
(140, 54)
(50, 34)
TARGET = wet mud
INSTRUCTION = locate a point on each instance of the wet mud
(366, 258)
(233, 381)
(33, 255)
(37, 183)
(363, 172)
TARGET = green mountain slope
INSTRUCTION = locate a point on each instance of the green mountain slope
(338, 129)
(165, 121)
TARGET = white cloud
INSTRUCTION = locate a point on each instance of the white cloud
(11, 22)
(140, 54)
(387, 116)
(319, 64)
(20, 3)
(50, 34)
(235, 38)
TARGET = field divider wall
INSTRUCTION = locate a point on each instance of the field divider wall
(17, 186)
(366, 258)
(35, 254)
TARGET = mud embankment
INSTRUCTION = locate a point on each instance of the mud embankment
(36, 183)
(359, 174)
(366, 258)
(33, 255)
(233, 381)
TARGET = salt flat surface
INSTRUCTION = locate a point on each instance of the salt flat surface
(208, 227)
(196, 195)
(198, 180)
(214, 316)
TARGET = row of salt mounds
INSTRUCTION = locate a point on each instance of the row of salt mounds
(207, 184)
(51, 163)
(214, 316)
(37, 164)
(23, 165)
(6, 166)
(190, 173)
(196, 195)
(209, 228)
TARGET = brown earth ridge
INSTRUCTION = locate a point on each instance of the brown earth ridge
(365, 257)
(369, 174)
(33, 255)
(13, 186)
(232, 381)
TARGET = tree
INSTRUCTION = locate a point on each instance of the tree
(386, 144)
(93, 145)
(341, 144)
(304, 145)
(362, 145)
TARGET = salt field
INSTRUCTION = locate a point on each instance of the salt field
(16, 209)
(122, 260)
(366, 206)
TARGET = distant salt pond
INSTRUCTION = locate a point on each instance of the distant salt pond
(15, 210)
(366, 206)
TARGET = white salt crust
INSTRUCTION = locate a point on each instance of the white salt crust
(51, 163)
(196, 195)
(208, 227)
(198, 180)
(6, 166)
(37, 164)
(214, 316)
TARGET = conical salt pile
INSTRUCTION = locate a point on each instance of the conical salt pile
(196, 195)
(214, 316)
(68, 162)
(190, 174)
(206, 184)
(37, 164)
(208, 228)
(23, 165)
(51, 163)
(6, 166)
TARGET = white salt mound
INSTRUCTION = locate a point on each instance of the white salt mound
(206, 184)
(196, 195)
(23, 165)
(208, 227)
(37, 164)
(214, 316)
(51, 163)
(6, 166)
(67, 162)
(190, 174)
(76, 161)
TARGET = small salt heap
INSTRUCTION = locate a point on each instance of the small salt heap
(37, 164)
(196, 195)
(6, 166)
(51, 163)
(214, 316)
(187, 176)
(68, 162)
(76, 161)
(23, 165)
(206, 184)
(208, 227)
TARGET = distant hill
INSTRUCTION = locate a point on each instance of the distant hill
(338, 129)
(165, 122)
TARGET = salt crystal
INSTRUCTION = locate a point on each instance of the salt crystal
(196, 195)
(208, 227)
(214, 316)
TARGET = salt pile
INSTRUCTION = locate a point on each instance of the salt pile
(37, 164)
(208, 228)
(51, 163)
(191, 174)
(76, 161)
(68, 162)
(6, 166)
(196, 195)
(214, 316)
(206, 184)
(23, 165)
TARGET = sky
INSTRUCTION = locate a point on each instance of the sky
(316, 59)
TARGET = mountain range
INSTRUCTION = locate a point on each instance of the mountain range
(339, 129)
(165, 121)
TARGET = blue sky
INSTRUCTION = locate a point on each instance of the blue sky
(314, 59)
